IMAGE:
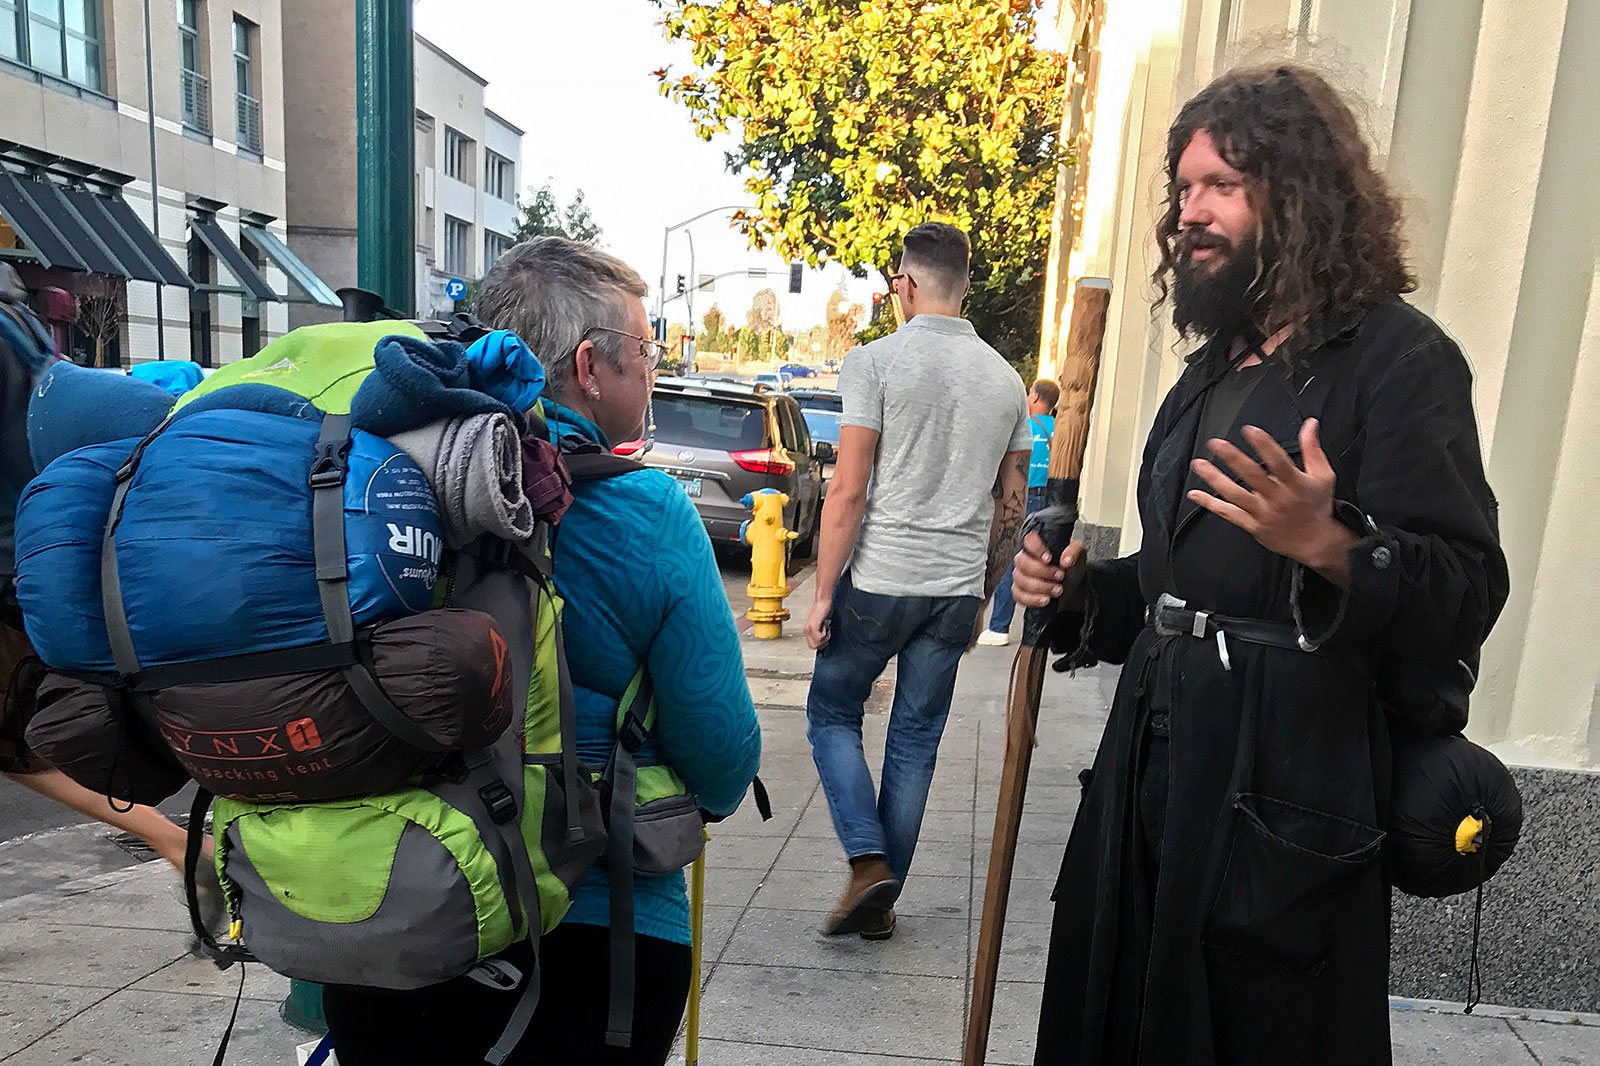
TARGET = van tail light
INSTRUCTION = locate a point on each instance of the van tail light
(762, 461)
(629, 447)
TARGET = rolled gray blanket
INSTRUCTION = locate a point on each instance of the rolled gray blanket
(474, 466)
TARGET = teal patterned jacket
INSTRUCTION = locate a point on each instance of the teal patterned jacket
(634, 564)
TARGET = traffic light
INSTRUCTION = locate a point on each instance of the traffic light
(877, 299)
(795, 272)
(683, 284)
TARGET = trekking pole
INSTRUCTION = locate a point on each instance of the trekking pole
(1079, 368)
(697, 914)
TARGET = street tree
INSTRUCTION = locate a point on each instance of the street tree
(748, 344)
(712, 337)
(541, 214)
(853, 122)
(99, 317)
(763, 317)
(842, 322)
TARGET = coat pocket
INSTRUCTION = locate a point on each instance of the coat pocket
(1287, 883)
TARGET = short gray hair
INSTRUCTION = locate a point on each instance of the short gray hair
(550, 291)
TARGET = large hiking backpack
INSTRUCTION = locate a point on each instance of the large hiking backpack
(472, 846)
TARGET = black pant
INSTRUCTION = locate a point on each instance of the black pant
(454, 1023)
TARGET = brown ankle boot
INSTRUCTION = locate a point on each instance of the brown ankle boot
(872, 888)
(878, 925)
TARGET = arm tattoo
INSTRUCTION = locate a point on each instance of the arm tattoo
(1003, 535)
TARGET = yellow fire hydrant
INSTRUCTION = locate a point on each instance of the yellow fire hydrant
(765, 534)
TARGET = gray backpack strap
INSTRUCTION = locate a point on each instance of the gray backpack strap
(117, 631)
(622, 775)
(328, 472)
(482, 786)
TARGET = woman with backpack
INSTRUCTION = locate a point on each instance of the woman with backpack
(635, 568)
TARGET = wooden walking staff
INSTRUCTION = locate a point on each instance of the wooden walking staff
(1085, 333)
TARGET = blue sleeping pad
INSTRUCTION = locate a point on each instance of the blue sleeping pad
(215, 545)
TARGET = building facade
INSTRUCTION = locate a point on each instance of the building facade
(171, 248)
(468, 164)
(1481, 111)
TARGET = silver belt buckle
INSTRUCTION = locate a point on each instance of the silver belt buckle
(1167, 601)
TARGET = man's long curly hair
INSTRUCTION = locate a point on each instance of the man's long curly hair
(1329, 239)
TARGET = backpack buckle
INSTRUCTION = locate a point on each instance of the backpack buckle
(631, 735)
(498, 799)
(330, 465)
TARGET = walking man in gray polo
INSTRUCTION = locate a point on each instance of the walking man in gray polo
(920, 523)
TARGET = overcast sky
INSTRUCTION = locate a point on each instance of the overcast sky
(575, 74)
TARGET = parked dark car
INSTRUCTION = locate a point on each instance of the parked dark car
(722, 440)
(811, 399)
(799, 370)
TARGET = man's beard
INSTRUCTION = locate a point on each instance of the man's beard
(1215, 298)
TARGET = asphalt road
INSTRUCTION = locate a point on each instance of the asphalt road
(24, 812)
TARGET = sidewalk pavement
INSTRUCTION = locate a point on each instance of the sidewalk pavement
(94, 967)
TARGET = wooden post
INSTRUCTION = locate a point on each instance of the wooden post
(1079, 371)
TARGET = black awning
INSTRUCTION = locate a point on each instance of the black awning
(300, 275)
(122, 215)
(21, 209)
(96, 255)
(91, 210)
(232, 257)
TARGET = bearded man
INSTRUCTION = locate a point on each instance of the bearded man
(1320, 565)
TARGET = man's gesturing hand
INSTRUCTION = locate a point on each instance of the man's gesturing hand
(1038, 579)
(1288, 510)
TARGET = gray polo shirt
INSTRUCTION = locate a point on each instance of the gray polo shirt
(947, 409)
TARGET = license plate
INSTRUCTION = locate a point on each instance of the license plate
(691, 485)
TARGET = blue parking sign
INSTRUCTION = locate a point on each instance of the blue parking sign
(455, 288)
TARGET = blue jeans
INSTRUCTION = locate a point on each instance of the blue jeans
(929, 634)
(1004, 605)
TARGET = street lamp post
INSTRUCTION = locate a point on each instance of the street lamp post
(661, 290)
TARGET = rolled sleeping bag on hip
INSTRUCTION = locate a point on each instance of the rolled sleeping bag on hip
(214, 546)
(305, 736)
(1456, 815)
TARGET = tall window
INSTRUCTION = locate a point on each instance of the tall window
(60, 38)
(457, 155)
(196, 89)
(457, 246)
(494, 246)
(246, 103)
(499, 175)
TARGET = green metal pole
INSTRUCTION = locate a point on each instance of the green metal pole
(385, 146)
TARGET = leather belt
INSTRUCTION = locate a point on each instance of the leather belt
(1173, 617)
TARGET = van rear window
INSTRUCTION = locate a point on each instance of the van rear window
(697, 422)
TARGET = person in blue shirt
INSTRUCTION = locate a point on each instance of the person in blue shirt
(1042, 400)
(635, 567)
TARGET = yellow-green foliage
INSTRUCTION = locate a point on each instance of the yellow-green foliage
(857, 119)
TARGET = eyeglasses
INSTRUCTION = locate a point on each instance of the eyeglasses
(650, 350)
(896, 277)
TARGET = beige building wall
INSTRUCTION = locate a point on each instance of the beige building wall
(1482, 113)
(320, 143)
(110, 130)
(320, 152)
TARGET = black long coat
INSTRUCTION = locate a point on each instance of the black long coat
(1267, 939)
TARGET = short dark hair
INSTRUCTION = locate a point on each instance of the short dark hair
(942, 249)
(1048, 391)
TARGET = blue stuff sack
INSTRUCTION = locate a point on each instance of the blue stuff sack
(215, 546)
